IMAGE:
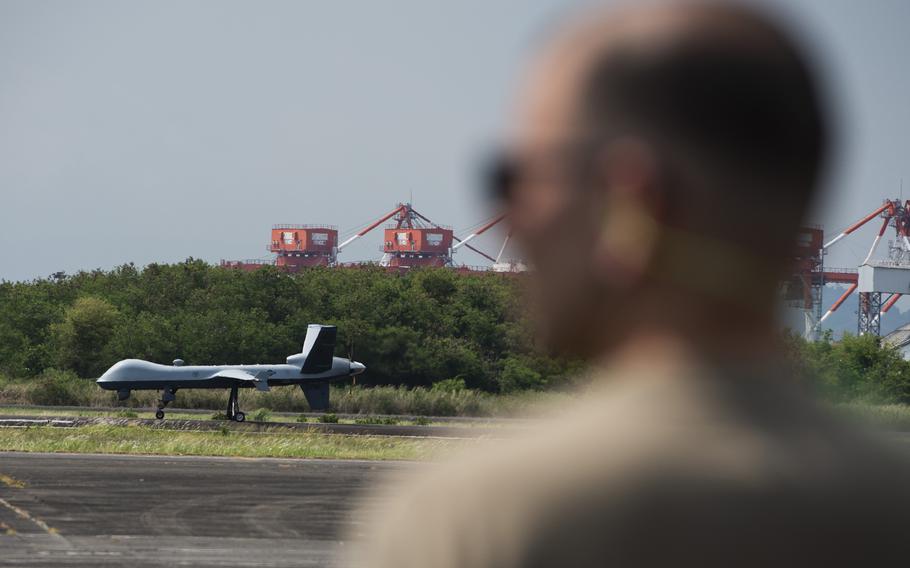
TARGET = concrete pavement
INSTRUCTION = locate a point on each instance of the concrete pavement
(144, 511)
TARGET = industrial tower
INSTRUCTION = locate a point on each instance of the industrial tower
(411, 241)
(875, 277)
(299, 246)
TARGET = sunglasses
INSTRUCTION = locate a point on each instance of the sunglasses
(499, 176)
(504, 171)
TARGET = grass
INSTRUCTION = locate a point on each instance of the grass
(893, 417)
(391, 400)
(260, 415)
(104, 413)
(376, 420)
(149, 441)
(62, 388)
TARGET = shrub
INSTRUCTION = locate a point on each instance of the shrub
(60, 388)
(329, 419)
(517, 375)
(856, 368)
(388, 420)
(449, 385)
(368, 420)
(79, 341)
(262, 415)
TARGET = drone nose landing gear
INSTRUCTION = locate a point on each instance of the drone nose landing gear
(167, 396)
(233, 408)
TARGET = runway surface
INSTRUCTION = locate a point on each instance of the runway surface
(143, 511)
(151, 511)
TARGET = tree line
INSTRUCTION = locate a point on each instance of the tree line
(412, 329)
(422, 328)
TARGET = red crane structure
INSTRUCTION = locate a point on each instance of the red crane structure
(871, 279)
(372, 226)
(295, 247)
(299, 246)
(411, 240)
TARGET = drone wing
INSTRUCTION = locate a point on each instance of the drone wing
(260, 379)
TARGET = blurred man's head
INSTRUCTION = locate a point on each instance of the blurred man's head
(662, 161)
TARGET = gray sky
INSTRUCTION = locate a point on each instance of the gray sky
(157, 130)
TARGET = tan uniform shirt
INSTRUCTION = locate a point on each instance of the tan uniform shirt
(658, 468)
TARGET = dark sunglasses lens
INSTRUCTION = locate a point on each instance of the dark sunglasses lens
(500, 176)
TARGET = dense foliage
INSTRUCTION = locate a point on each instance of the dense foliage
(414, 329)
(854, 368)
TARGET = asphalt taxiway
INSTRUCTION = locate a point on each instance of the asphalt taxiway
(144, 511)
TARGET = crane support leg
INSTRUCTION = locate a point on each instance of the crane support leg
(839, 301)
(870, 306)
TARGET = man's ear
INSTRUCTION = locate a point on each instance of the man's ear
(626, 177)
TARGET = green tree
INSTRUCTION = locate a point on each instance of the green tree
(854, 368)
(80, 341)
(517, 374)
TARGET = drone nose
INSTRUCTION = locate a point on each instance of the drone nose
(357, 368)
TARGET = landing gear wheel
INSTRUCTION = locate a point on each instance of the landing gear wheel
(167, 396)
(233, 412)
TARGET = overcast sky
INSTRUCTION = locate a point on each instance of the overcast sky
(158, 130)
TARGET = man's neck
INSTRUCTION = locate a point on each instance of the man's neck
(661, 349)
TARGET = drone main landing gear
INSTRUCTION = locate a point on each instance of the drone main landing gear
(233, 409)
(167, 395)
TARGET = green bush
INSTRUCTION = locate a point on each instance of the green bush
(329, 419)
(368, 420)
(856, 368)
(371, 420)
(59, 388)
(80, 340)
(261, 415)
(449, 385)
(517, 374)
